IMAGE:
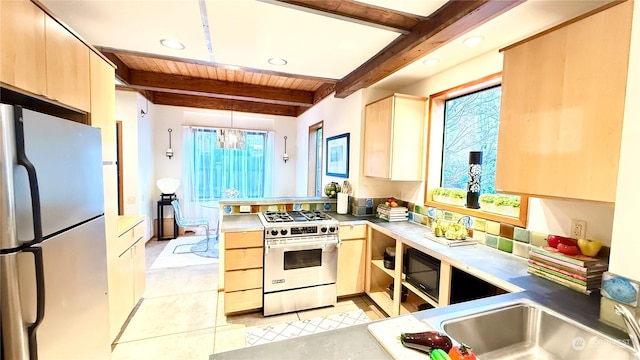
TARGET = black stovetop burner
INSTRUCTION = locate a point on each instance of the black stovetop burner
(295, 216)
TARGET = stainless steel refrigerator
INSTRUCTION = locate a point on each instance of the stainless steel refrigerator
(53, 263)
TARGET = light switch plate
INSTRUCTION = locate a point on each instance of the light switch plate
(245, 208)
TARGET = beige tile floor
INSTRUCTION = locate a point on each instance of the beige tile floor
(181, 316)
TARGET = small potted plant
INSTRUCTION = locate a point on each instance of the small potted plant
(457, 197)
(486, 202)
(514, 204)
(507, 205)
(440, 194)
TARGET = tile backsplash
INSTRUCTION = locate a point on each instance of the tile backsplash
(229, 207)
(505, 237)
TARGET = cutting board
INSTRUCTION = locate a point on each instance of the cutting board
(387, 331)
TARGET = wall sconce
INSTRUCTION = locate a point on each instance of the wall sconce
(142, 112)
(285, 157)
(169, 150)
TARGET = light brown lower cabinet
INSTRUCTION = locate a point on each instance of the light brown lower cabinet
(242, 300)
(126, 276)
(351, 260)
(243, 259)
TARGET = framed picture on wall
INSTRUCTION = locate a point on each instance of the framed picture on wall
(338, 155)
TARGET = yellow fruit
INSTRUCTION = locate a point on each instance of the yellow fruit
(394, 204)
(589, 247)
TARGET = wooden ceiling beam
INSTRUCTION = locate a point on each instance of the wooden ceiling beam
(452, 20)
(203, 102)
(145, 80)
(322, 92)
(353, 11)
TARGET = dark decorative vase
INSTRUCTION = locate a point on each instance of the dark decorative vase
(473, 183)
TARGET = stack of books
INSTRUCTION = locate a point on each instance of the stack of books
(399, 213)
(578, 272)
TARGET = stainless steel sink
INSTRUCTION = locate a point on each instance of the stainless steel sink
(527, 330)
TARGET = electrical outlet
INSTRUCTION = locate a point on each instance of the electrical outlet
(131, 200)
(578, 229)
(245, 208)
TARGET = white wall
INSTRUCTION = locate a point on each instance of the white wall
(175, 117)
(146, 165)
(136, 149)
(626, 242)
(340, 116)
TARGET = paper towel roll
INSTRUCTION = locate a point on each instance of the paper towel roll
(343, 203)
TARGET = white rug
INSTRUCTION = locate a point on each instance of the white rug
(320, 324)
(167, 258)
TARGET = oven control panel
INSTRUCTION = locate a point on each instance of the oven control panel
(289, 231)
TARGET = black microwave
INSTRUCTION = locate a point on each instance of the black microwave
(423, 272)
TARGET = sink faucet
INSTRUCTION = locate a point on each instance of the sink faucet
(633, 328)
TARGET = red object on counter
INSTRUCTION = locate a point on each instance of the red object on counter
(555, 240)
(462, 352)
(568, 249)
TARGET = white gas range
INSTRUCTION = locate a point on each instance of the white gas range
(300, 260)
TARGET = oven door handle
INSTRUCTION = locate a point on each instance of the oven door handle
(322, 244)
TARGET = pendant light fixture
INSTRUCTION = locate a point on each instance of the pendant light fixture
(231, 138)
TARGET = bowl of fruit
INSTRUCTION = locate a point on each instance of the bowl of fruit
(332, 189)
(450, 230)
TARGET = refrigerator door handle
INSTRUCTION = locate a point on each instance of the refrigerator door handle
(31, 173)
(40, 297)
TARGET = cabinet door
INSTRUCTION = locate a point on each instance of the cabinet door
(562, 108)
(22, 49)
(408, 132)
(139, 268)
(239, 240)
(67, 67)
(103, 104)
(242, 300)
(239, 259)
(120, 291)
(351, 267)
(242, 279)
(377, 138)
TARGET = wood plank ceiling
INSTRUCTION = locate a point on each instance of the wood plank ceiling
(180, 82)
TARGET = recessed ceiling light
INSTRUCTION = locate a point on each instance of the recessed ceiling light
(277, 61)
(172, 44)
(431, 62)
(474, 40)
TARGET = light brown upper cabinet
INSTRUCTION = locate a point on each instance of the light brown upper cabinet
(22, 50)
(67, 67)
(562, 106)
(40, 56)
(393, 137)
(103, 104)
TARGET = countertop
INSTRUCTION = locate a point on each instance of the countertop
(492, 265)
(126, 222)
(241, 222)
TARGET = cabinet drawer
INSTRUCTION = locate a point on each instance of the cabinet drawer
(129, 238)
(138, 231)
(242, 300)
(123, 242)
(240, 259)
(237, 240)
(242, 279)
(352, 232)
